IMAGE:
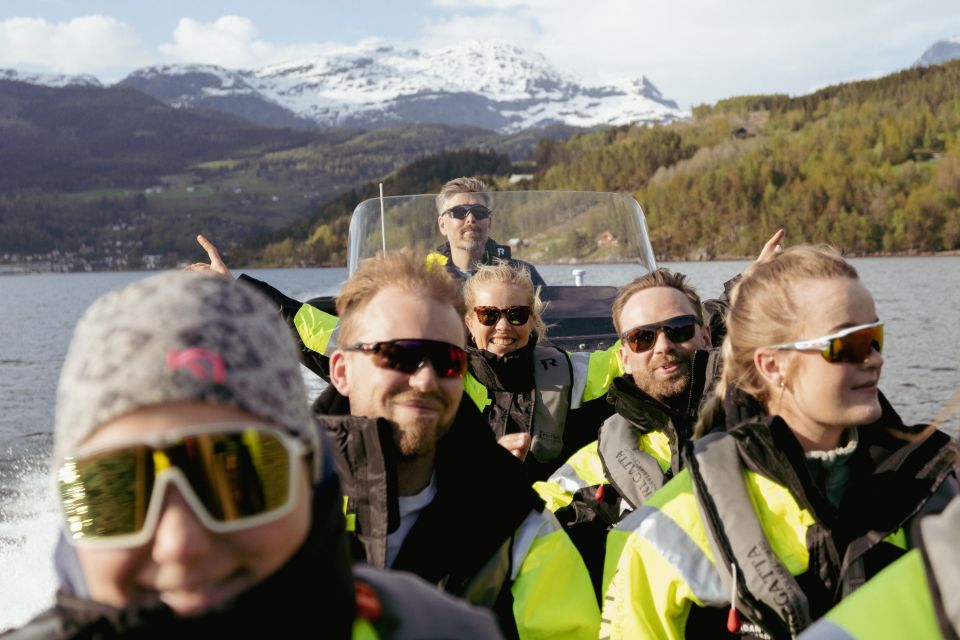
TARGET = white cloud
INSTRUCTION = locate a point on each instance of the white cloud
(703, 50)
(694, 50)
(88, 44)
(518, 29)
(233, 42)
(490, 4)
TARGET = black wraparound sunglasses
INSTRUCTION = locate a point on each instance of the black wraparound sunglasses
(407, 356)
(479, 211)
(677, 329)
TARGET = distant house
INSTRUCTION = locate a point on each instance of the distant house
(520, 177)
(607, 239)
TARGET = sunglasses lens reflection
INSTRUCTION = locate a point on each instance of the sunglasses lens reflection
(406, 356)
(236, 475)
(489, 316)
(855, 347)
(641, 340)
(518, 315)
(677, 330)
(479, 211)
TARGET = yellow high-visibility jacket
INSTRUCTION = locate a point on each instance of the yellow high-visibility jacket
(664, 576)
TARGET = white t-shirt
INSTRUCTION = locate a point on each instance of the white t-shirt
(410, 508)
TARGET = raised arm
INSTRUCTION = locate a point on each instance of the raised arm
(216, 264)
(772, 247)
(313, 327)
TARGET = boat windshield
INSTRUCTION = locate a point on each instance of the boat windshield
(544, 228)
(584, 245)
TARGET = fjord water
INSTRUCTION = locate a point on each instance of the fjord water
(918, 298)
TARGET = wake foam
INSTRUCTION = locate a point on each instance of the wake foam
(29, 526)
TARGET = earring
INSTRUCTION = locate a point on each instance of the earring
(782, 385)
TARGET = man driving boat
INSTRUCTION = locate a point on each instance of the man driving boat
(464, 215)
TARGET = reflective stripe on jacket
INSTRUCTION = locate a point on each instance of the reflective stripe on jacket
(484, 537)
(661, 564)
(552, 594)
(894, 605)
(765, 587)
(659, 561)
(585, 468)
(638, 448)
(915, 597)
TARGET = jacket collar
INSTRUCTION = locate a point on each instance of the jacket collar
(483, 494)
(510, 372)
(894, 469)
(491, 251)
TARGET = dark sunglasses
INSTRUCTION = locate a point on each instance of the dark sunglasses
(678, 329)
(406, 356)
(489, 316)
(479, 211)
(850, 345)
(234, 476)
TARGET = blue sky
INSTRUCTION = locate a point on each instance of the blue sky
(695, 51)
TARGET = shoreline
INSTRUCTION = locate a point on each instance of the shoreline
(893, 254)
(20, 269)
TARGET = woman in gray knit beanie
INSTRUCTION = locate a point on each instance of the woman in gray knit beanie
(198, 496)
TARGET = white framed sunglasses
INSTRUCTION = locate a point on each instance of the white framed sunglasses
(234, 476)
(853, 344)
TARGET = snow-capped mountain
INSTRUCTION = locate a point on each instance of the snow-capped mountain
(940, 51)
(486, 84)
(49, 80)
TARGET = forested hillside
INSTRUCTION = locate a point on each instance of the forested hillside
(321, 239)
(108, 178)
(871, 167)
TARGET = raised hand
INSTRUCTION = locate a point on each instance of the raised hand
(772, 247)
(216, 264)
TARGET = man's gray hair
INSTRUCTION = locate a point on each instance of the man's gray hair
(462, 185)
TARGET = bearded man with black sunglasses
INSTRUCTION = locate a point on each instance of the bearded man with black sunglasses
(427, 489)
(670, 354)
(669, 363)
(464, 215)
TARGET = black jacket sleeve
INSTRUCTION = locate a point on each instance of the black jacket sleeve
(288, 308)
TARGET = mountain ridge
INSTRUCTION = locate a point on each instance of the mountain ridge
(487, 84)
(940, 51)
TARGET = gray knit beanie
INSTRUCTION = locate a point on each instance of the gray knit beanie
(180, 337)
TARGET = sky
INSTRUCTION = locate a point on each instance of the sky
(694, 51)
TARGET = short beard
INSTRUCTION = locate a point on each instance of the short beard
(419, 438)
(472, 246)
(665, 390)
